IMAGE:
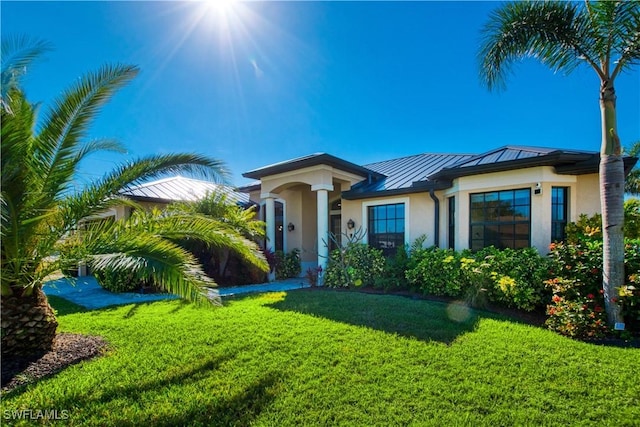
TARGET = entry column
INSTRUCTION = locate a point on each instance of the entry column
(270, 219)
(322, 192)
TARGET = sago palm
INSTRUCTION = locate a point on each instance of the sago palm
(40, 162)
(604, 36)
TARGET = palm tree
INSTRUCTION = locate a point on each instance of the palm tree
(564, 35)
(632, 183)
(39, 207)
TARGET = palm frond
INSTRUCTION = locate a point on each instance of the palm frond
(17, 53)
(134, 246)
(68, 120)
(93, 198)
(551, 32)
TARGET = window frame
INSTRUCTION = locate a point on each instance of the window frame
(384, 202)
(487, 224)
(565, 212)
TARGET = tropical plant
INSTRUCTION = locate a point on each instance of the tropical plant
(632, 181)
(223, 263)
(564, 35)
(40, 161)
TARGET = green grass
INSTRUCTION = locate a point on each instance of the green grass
(332, 358)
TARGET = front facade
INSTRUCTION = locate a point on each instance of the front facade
(511, 197)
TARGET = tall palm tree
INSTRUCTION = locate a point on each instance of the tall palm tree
(564, 35)
(632, 182)
(39, 207)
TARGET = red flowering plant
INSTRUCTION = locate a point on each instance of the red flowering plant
(573, 314)
(576, 267)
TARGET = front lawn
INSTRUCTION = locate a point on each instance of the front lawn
(332, 358)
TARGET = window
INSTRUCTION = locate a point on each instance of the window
(452, 222)
(386, 227)
(558, 213)
(501, 219)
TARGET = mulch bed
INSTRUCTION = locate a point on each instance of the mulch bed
(67, 350)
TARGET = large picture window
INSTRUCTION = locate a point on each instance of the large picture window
(558, 213)
(386, 227)
(501, 219)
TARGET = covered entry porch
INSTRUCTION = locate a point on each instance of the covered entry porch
(301, 203)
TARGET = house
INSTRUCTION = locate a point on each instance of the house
(162, 192)
(510, 197)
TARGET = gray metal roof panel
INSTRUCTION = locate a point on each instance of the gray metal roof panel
(183, 189)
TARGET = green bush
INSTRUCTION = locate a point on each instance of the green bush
(118, 280)
(288, 265)
(354, 265)
(435, 271)
(393, 276)
(514, 278)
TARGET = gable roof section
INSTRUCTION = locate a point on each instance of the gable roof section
(512, 157)
(181, 189)
(309, 161)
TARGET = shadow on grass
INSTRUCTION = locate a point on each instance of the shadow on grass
(63, 306)
(420, 319)
(237, 410)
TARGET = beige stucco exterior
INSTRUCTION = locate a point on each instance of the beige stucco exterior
(294, 190)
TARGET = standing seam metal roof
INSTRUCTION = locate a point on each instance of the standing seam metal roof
(179, 188)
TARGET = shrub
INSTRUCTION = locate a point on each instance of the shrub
(573, 313)
(514, 278)
(118, 280)
(577, 273)
(393, 275)
(435, 271)
(356, 264)
(287, 265)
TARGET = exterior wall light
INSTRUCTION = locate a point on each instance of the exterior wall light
(351, 224)
(291, 227)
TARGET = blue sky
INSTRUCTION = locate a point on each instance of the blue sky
(258, 83)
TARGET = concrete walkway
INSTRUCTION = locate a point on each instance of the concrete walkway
(86, 292)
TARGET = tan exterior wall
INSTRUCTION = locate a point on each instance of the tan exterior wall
(301, 207)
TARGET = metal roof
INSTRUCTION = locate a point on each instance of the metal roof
(401, 174)
(179, 188)
(511, 152)
(434, 171)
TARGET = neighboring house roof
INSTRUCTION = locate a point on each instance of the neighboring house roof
(179, 188)
(309, 161)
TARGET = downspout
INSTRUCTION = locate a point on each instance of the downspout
(436, 222)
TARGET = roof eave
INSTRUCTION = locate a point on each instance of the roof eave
(310, 161)
(555, 158)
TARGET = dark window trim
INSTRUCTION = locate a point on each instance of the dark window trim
(371, 218)
(565, 211)
(452, 221)
(486, 223)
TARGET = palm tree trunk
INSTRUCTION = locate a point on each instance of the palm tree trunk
(28, 323)
(612, 202)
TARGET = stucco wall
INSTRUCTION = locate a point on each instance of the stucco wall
(301, 207)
